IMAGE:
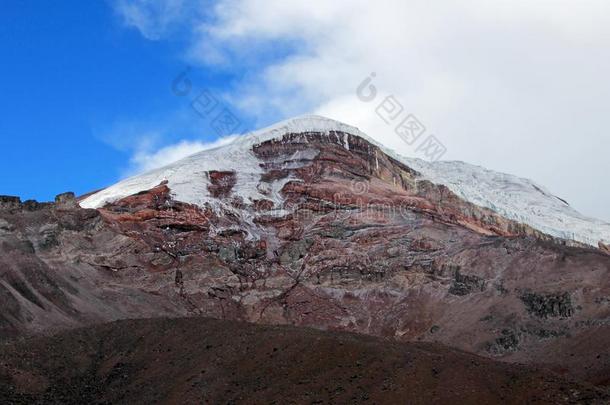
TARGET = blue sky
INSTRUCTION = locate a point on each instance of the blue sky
(518, 87)
(80, 92)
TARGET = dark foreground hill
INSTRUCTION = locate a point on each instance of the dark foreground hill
(198, 360)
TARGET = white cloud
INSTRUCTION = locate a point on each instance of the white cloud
(517, 86)
(158, 139)
(145, 159)
(151, 17)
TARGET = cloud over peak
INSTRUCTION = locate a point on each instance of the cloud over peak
(515, 86)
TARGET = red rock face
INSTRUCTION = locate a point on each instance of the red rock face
(221, 183)
(361, 245)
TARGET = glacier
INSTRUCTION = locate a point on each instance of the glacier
(513, 197)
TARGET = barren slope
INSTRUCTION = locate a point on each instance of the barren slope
(207, 361)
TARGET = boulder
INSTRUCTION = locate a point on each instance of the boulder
(8, 202)
(66, 201)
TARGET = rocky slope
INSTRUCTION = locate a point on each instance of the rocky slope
(209, 361)
(321, 229)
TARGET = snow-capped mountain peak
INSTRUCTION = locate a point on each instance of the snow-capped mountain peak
(514, 198)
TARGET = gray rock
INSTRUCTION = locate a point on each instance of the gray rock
(8, 202)
(466, 284)
(295, 251)
(66, 201)
(548, 305)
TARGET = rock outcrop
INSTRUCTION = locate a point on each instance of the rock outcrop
(66, 200)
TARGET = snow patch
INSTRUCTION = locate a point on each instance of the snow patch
(514, 198)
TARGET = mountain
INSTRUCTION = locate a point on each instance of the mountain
(313, 224)
(199, 360)
(514, 198)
